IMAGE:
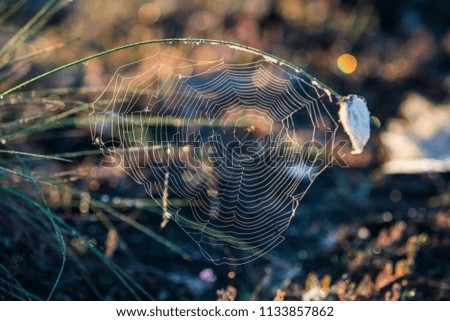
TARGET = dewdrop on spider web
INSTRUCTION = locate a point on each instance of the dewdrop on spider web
(355, 119)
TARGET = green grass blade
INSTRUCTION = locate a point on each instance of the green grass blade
(175, 40)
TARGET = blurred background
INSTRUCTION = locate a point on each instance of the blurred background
(378, 230)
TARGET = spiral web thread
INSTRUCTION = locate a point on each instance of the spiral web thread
(239, 140)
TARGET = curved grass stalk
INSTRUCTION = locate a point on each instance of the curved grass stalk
(176, 40)
(48, 214)
(56, 228)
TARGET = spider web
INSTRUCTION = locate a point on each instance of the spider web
(237, 136)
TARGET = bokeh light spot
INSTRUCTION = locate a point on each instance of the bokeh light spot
(347, 63)
(363, 233)
(387, 217)
(375, 121)
(149, 13)
(207, 275)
